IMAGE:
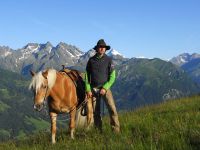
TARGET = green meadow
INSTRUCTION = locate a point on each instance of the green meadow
(171, 125)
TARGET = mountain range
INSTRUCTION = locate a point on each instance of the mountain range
(37, 57)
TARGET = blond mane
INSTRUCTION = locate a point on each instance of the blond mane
(38, 80)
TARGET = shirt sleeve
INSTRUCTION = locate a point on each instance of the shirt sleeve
(87, 84)
(111, 80)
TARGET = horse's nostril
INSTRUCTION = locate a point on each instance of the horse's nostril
(37, 107)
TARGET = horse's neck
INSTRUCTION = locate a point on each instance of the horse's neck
(63, 94)
(58, 88)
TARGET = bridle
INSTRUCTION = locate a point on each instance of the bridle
(44, 99)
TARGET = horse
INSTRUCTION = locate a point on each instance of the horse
(59, 90)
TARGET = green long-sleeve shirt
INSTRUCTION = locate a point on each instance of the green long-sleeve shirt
(106, 86)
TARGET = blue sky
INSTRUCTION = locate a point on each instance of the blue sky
(136, 28)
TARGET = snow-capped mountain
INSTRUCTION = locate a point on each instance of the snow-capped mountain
(117, 57)
(190, 63)
(184, 58)
(114, 53)
(39, 56)
(69, 50)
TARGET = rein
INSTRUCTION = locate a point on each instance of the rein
(45, 97)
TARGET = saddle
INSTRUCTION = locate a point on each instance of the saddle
(78, 81)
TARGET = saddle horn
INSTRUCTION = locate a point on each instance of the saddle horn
(32, 73)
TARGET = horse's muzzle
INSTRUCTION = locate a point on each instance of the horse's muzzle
(38, 107)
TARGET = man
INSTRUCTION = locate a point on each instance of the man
(100, 75)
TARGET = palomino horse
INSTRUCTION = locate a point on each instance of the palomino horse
(60, 91)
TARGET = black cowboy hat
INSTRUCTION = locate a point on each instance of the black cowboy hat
(101, 43)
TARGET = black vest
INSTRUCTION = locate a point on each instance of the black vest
(99, 70)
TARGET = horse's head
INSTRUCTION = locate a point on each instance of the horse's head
(41, 84)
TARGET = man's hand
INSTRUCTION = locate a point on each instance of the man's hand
(89, 94)
(102, 91)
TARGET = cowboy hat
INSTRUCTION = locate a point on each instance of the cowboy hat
(101, 43)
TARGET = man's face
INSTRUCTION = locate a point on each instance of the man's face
(101, 50)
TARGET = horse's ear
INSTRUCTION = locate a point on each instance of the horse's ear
(44, 74)
(32, 73)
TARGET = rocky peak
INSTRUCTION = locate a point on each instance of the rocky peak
(114, 52)
(184, 58)
(5, 51)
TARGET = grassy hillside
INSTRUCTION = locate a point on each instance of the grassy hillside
(170, 125)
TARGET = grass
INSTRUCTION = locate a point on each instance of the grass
(5, 93)
(170, 125)
(3, 106)
(39, 124)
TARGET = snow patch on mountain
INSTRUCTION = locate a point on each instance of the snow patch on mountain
(31, 48)
(7, 53)
(50, 48)
(114, 52)
(70, 53)
(79, 53)
(143, 57)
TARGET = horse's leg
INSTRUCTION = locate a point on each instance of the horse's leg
(72, 123)
(53, 127)
(89, 112)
